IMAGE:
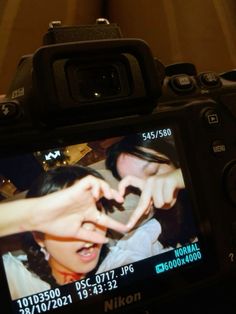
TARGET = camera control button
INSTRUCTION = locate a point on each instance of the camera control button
(8, 111)
(211, 117)
(218, 146)
(209, 79)
(182, 83)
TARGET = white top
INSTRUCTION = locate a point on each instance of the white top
(21, 281)
(135, 246)
(140, 244)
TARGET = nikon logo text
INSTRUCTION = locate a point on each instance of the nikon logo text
(120, 301)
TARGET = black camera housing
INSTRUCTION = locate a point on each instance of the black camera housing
(45, 109)
(84, 73)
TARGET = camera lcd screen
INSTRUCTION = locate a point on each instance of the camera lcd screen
(45, 272)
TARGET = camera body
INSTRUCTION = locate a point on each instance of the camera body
(79, 69)
(87, 82)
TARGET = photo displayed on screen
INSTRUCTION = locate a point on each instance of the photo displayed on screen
(145, 169)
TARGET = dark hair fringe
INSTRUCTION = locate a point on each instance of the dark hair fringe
(53, 180)
(133, 145)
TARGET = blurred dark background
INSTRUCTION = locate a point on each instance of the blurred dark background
(202, 32)
(198, 31)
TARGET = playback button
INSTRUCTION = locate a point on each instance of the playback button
(211, 117)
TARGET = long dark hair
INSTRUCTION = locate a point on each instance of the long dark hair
(176, 223)
(51, 181)
(133, 145)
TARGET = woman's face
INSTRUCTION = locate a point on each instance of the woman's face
(72, 255)
(128, 164)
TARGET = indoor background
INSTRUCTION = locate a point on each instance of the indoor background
(197, 31)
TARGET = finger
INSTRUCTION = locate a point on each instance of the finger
(117, 196)
(143, 205)
(103, 189)
(97, 187)
(168, 193)
(79, 187)
(106, 221)
(130, 180)
(165, 195)
(157, 194)
(150, 207)
(91, 236)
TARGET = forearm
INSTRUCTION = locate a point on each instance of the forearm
(15, 216)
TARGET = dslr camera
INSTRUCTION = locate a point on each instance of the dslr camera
(87, 87)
